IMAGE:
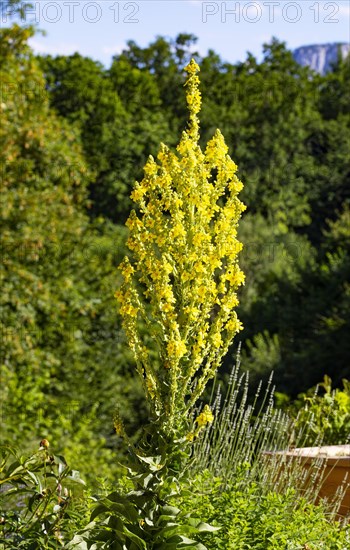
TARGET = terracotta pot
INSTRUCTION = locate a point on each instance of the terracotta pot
(335, 467)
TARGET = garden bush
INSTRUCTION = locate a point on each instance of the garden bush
(262, 520)
(42, 501)
(325, 410)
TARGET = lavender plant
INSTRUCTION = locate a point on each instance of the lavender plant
(249, 441)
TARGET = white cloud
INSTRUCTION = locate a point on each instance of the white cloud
(61, 48)
(343, 10)
(113, 50)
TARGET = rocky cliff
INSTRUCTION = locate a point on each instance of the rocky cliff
(320, 57)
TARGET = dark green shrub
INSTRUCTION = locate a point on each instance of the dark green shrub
(327, 415)
(42, 500)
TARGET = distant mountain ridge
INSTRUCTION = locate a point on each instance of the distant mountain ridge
(320, 57)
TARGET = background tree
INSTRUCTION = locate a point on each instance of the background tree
(58, 324)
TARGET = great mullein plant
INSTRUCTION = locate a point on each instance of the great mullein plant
(179, 290)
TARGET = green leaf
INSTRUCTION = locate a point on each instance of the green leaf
(14, 468)
(135, 539)
(100, 509)
(126, 510)
(170, 510)
(176, 529)
(206, 528)
(75, 476)
(33, 477)
(180, 541)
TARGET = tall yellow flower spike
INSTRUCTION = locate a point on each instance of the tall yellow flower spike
(182, 279)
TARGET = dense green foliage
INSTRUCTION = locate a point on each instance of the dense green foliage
(42, 500)
(325, 410)
(45, 504)
(250, 519)
(58, 320)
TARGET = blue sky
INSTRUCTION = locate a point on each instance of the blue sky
(100, 29)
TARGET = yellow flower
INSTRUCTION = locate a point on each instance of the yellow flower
(133, 222)
(128, 309)
(199, 238)
(234, 325)
(178, 231)
(235, 278)
(127, 269)
(192, 312)
(186, 276)
(176, 349)
(119, 295)
(202, 292)
(206, 417)
(214, 262)
(216, 149)
(150, 388)
(177, 201)
(166, 293)
(138, 193)
(217, 340)
(166, 307)
(199, 267)
(161, 240)
(150, 168)
(119, 425)
(192, 67)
